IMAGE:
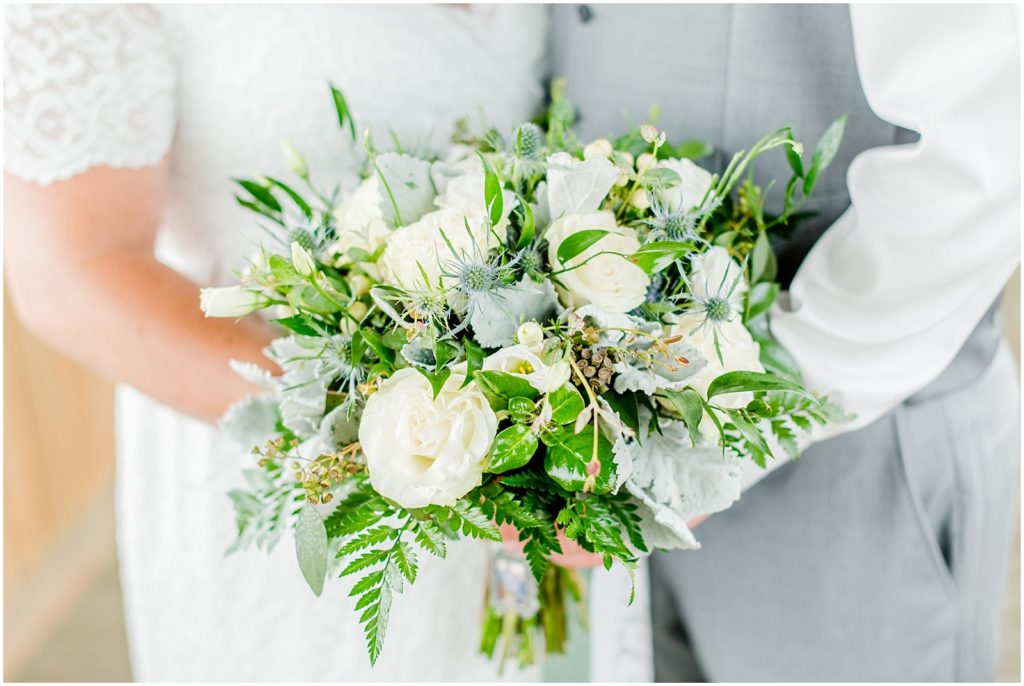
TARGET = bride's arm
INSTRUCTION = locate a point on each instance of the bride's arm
(83, 278)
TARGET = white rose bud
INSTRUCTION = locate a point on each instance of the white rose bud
(598, 276)
(645, 162)
(649, 133)
(302, 260)
(296, 162)
(232, 301)
(601, 148)
(519, 360)
(530, 334)
(411, 454)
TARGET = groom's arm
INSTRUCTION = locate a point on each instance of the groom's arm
(894, 288)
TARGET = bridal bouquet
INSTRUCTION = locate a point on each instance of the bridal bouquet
(568, 340)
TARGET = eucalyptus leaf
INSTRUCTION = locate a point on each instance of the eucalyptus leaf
(311, 546)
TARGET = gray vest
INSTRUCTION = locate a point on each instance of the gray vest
(729, 74)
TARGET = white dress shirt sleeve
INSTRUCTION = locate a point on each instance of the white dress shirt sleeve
(890, 293)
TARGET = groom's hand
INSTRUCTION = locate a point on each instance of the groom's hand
(571, 556)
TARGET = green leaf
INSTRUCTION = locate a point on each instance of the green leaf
(470, 519)
(311, 547)
(660, 178)
(512, 448)
(578, 242)
(690, 407)
(694, 149)
(296, 198)
(261, 193)
(751, 435)
(430, 537)
(474, 358)
(656, 256)
(436, 379)
(405, 560)
(566, 404)
(759, 408)
(358, 346)
(528, 224)
(298, 324)
(344, 115)
(366, 539)
(493, 199)
(761, 297)
(444, 352)
(763, 265)
(826, 150)
(627, 406)
(499, 387)
(284, 271)
(376, 343)
(569, 454)
(741, 382)
(793, 157)
(522, 410)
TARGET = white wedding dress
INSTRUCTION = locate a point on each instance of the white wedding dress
(216, 88)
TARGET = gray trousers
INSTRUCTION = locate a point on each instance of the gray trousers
(880, 555)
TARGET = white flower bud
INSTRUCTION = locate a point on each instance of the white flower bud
(296, 162)
(530, 334)
(302, 260)
(232, 301)
(645, 162)
(601, 148)
(358, 309)
(640, 200)
(360, 285)
(648, 133)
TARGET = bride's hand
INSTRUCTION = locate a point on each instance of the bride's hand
(571, 556)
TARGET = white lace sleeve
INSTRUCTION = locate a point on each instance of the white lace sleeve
(85, 85)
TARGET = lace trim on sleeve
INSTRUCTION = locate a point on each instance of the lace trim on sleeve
(85, 85)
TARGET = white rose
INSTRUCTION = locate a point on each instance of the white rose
(520, 360)
(689, 192)
(421, 244)
(609, 282)
(466, 195)
(424, 451)
(231, 301)
(739, 353)
(360, 222)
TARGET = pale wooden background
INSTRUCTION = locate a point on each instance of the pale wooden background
(62, 611)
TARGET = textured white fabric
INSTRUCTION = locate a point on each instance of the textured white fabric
(90, 85)
(893, 289)
(84, 86)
